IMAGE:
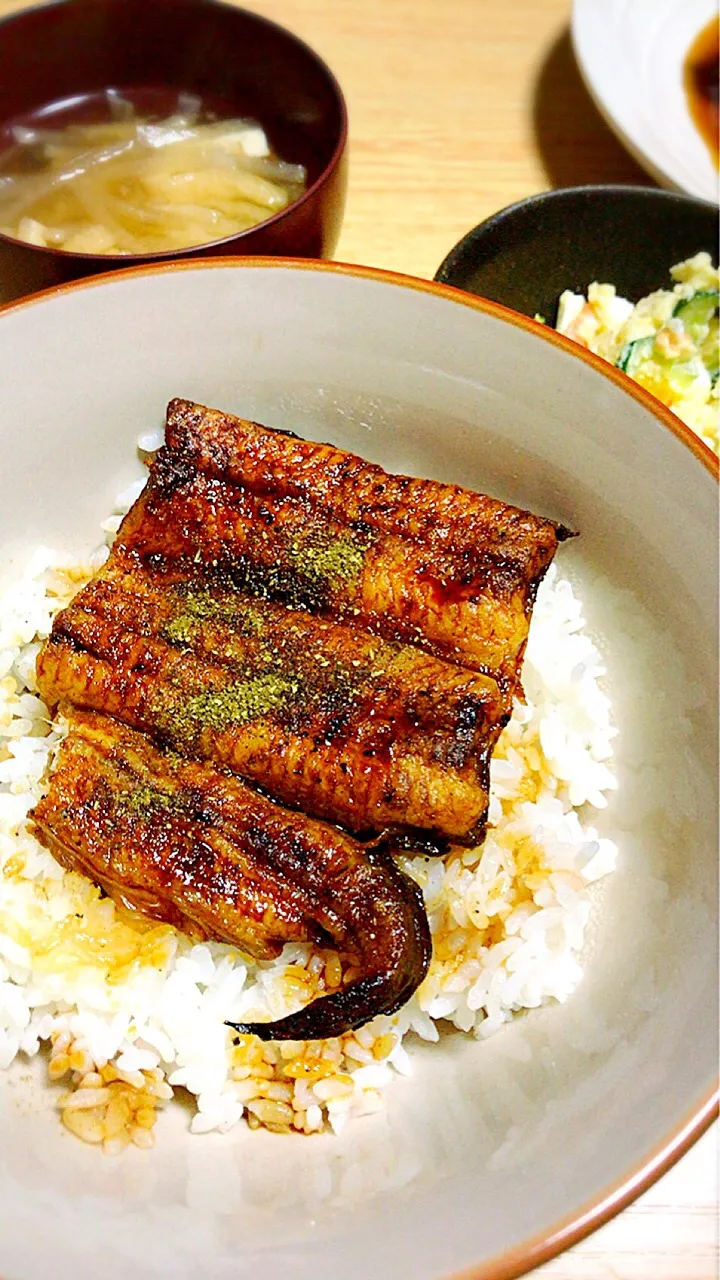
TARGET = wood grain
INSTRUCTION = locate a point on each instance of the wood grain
(457, 108)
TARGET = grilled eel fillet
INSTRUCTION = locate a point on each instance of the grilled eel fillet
(431, 564)
(327, 557)
(347, 640)
(191, 845)
(340, 723)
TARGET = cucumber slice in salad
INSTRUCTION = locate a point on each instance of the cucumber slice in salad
(710, 349)
(699, 316)
(647, 364)
(697, 312)
(666, 378)
(634, 354)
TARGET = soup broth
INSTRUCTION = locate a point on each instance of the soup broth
(113, 176)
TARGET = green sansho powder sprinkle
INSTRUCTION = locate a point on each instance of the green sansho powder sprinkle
(338, 560)
(239, 703)
(143, 800)
(200, 606)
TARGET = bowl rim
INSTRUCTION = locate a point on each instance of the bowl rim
(582, 1220)
(558, 195)
(166, 255)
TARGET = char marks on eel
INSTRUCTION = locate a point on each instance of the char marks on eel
(193, 846)
(346, 641)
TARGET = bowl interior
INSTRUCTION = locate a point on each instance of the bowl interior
(490, 1144)
(235, 61)
(526, 255)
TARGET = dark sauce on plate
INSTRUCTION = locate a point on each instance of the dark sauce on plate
(701, 85)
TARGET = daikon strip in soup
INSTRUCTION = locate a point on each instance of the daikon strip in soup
(130, 184)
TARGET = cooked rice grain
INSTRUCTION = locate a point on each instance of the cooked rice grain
(132, 1010)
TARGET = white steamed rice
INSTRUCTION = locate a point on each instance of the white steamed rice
(130, 1009)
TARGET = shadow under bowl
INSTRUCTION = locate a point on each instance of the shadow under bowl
(526, 255)
(239, 64)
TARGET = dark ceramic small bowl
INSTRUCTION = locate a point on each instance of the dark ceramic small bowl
(235, 61)
(526, 255)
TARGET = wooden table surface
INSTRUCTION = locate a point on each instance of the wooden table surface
(457, 108)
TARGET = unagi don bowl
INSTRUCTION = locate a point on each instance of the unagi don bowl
(493, 1154)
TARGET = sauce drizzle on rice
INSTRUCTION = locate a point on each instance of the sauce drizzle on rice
(507, 919)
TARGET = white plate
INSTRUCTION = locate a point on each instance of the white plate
(631, 55)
